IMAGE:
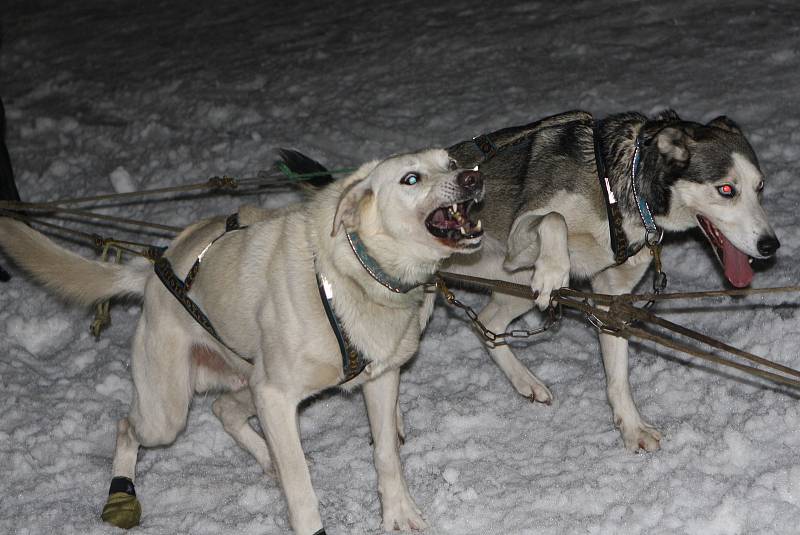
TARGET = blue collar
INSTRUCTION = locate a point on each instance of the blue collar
(374, 269)
(653, 234)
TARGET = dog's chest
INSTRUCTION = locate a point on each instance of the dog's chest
(387, 336)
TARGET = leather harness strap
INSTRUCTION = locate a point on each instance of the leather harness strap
(619, 240)
(353, 361)
(180, 288)
(486, 146)
(620, 246)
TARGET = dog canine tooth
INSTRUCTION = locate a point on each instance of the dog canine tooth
(478, 225)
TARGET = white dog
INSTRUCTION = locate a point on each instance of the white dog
(323, 293)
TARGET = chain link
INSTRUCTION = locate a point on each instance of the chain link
(659, 285)
(492, 338)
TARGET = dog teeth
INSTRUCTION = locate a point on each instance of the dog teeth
(455, 208)
(478, 225)
(749, 260)
(463, 231)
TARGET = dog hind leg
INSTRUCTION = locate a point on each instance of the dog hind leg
(162, 392)
(636, 432)
(399, 510)
(122, 508)
(234, 409)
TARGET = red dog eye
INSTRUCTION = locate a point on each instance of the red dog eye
(726, 190)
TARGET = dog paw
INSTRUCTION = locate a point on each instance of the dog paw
(529, 386)
(549, 274)
(640, 437)
(122, 510)
(403, 515)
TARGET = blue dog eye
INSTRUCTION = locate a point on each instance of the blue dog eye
(410, 179)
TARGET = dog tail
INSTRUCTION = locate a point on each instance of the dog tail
(67, 274)
(298, 163)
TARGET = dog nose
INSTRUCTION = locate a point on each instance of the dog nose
(472, 180)
(767, 245)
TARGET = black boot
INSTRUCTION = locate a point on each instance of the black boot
(8, 188)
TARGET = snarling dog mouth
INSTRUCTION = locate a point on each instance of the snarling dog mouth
(736, 264)
(454, 225)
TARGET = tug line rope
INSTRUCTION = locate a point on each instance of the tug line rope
(613, 314)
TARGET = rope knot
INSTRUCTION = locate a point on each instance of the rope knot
(224, 182)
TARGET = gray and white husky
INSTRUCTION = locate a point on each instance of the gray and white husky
(546, 219)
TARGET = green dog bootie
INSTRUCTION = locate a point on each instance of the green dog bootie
(122, 509)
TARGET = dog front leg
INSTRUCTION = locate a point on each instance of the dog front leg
(277, 411)
(636, 432)
(551, 269)
(399, 510)
(234, 409)
(497, 315)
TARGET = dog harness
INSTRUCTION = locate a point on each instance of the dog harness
(619, 241)
(180, 288)
(353, 360)
(621, 247)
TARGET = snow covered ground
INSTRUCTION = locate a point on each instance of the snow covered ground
(105, 95)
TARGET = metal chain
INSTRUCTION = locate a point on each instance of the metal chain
(659, 285)
(492, 338)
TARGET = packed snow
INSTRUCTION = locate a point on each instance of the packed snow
(113, 96)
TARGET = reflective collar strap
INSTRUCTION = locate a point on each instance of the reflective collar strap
(652, 233)
(372, 267)
(180, 288)
(619, 241)
(353, 361)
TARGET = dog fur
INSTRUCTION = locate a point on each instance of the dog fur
(546, 222)
(258, 287)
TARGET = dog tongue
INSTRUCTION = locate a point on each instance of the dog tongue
(737, 265)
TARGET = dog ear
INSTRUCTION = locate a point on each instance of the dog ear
(356, 187)
(523, 242)
(673, 144)
(726, 124)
